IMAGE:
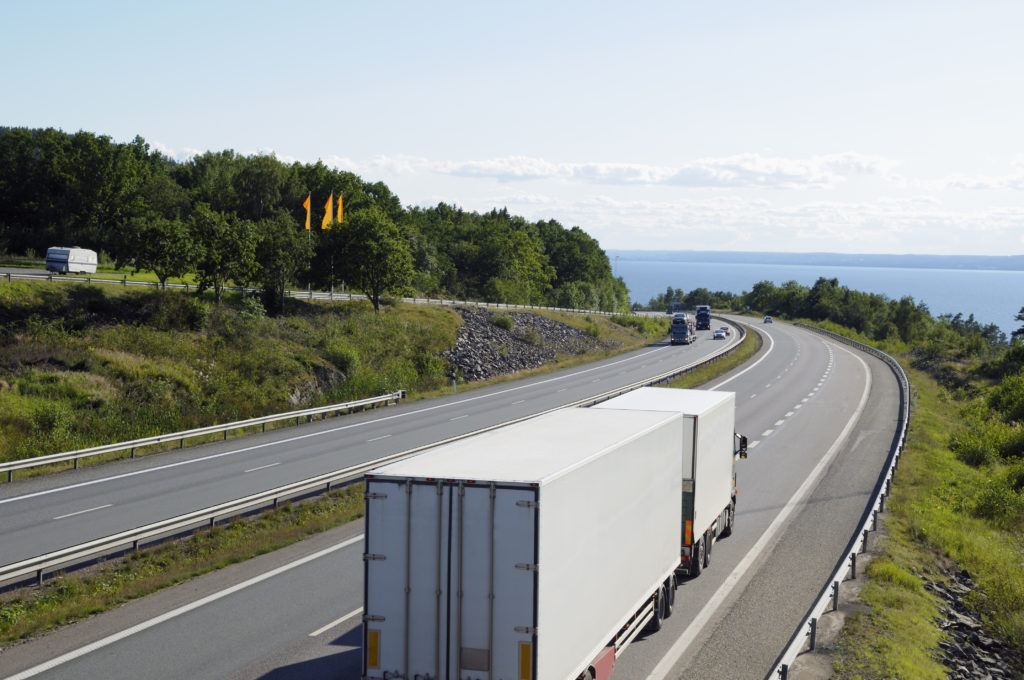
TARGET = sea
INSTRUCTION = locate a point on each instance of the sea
(992, 289)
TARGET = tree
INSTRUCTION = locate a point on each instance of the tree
(376, 254)
(226, 249)
(282, 250)
(161, 245)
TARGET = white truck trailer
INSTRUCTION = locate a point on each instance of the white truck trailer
(709, 450)
(535, 551)
(70, 260)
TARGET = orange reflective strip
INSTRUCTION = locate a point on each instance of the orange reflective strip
(689, 532)
(525, 661)
(373, 649)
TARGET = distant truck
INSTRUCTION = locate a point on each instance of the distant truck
(681, 331)
(703, 317)
(711, 447)
(535, 551)
(70, 260)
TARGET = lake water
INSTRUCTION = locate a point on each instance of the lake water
(993, 296)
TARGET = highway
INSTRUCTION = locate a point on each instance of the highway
(39, 515)
(820, 418)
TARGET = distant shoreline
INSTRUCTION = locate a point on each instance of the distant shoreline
(964, 262)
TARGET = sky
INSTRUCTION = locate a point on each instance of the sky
(794, 126)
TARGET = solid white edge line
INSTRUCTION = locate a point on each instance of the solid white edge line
(184, 609)
(336, 622)
(664, 667)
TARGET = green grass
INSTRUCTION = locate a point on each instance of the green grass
(67, 598)
(702, 374)
(932, 522)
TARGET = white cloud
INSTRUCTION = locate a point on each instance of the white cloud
(739, 171)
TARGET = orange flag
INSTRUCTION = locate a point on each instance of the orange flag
(305, 204)
(326, 222)
(338, 218)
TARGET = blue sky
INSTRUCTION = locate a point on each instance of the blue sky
(869, 127)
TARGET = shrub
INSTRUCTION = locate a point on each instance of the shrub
(532, 337)
(502, 321)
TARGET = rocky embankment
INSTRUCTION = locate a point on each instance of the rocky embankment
(970, 654)
(484, 349)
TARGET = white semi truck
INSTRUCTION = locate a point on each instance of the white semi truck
(534, 551)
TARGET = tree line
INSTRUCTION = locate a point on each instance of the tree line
(874, 316)
(226, 217)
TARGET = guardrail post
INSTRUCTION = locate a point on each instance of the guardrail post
(874, 525)
(10, 475)
(39, 577)
(812, 633)
(853, 565)
(76, 463)
(225, 435)
(864, 543)
(784, 672)
(835, 595)
(881, 503)
(181, 443)
(133, 452)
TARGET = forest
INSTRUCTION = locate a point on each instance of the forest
(225, 217)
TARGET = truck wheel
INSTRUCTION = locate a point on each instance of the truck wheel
(709, 538)
(671, 602)
(659, 611)
(697, 558)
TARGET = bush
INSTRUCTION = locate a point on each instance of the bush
(532, 337)
(502, 321)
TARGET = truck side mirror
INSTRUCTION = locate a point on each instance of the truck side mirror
(743, 445)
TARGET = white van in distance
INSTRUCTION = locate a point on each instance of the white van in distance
(73, 260)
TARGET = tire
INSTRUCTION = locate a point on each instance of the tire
(654, 625)
(672, 584)
(730, 520)
(709, 538)
(697, 559)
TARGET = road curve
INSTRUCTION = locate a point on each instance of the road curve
(820, 418)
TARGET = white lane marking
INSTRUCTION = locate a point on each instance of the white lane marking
(771, 346)
(805, 400)
(698, 623)
(780, 421)
(596, 380)
(563, 389)
(377, 439)
(174, 613)
(790, 413)
(518, 402)
(82, 512)
(336, 622)
(322, 433)
(767, 433)
(798, 406)
(753, 443)
(752, 396)
(464, 415)
(263, 467)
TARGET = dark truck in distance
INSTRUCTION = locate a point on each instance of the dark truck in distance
(703, 317)
(681, 331)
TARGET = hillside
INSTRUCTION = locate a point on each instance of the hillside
(85, 365)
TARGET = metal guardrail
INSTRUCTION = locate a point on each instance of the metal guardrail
(804, 636)
(83, 552)
(25, 463)
(308, 294)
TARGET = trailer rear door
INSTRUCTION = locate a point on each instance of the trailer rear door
(450, 579)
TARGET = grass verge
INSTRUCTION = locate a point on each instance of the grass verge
(931, 525)
(702, 374)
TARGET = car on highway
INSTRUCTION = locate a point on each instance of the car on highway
(726, 330)
(719, 334)
(767, 319)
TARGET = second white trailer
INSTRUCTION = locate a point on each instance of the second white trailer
(708, 455)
